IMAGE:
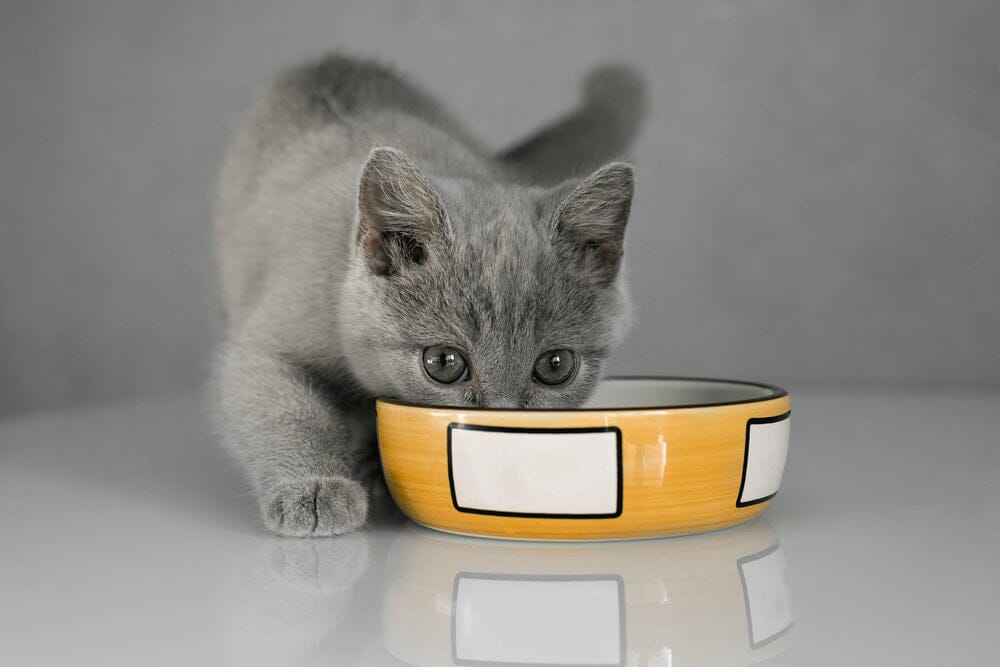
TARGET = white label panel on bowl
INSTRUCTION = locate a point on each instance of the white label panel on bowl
(538, 621)
(556, 473)
(764, 462)
(765, 591)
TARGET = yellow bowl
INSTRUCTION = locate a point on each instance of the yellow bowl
(646, 457)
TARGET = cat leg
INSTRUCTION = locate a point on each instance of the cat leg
(292, 440)
(600, 130)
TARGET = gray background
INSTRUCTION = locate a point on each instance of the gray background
(818, 197)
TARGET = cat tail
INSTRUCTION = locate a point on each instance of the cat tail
(600, 130)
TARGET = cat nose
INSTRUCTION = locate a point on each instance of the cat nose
(499, 402)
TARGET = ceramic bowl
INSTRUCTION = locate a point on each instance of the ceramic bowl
(645, 457)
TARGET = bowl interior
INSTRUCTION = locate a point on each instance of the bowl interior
(619, 393)
(641, 393)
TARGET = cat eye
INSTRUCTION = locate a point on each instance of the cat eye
(445, 364)
(555, 367)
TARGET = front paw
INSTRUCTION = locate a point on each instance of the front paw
(318, 506)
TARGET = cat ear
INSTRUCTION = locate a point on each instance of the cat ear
(590, 221)
(399, 214)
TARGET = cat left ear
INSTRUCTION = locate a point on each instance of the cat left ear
(591, 220)
(400, 216)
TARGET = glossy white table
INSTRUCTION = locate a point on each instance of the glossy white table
(128, 538)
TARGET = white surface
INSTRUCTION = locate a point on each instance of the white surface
(127, 538)
(548, 622)
(672, 392)
(766, 455)
(535, 473)
(683, 600)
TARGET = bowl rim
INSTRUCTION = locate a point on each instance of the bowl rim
(776, 392)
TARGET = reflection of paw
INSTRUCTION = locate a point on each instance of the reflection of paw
(314, 506)
(318, 566)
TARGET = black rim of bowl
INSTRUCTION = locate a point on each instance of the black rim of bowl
(776, 392)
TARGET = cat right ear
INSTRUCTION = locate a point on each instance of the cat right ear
(592, 217)
(400, 216)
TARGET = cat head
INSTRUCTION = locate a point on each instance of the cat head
(485, 294)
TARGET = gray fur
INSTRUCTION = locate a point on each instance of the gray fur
(357, 224)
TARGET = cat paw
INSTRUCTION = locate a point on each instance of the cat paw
(314, 507)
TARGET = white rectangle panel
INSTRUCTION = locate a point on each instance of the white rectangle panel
(535, 472)
(766, 450)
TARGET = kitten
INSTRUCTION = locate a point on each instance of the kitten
(369, 246)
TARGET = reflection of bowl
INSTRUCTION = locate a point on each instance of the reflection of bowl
(651, 457)
(715, 599)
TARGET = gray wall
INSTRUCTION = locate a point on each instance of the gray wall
(819, 193)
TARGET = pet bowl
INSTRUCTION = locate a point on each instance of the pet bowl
(646, 457)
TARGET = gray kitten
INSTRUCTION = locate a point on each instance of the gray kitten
(369, 246)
